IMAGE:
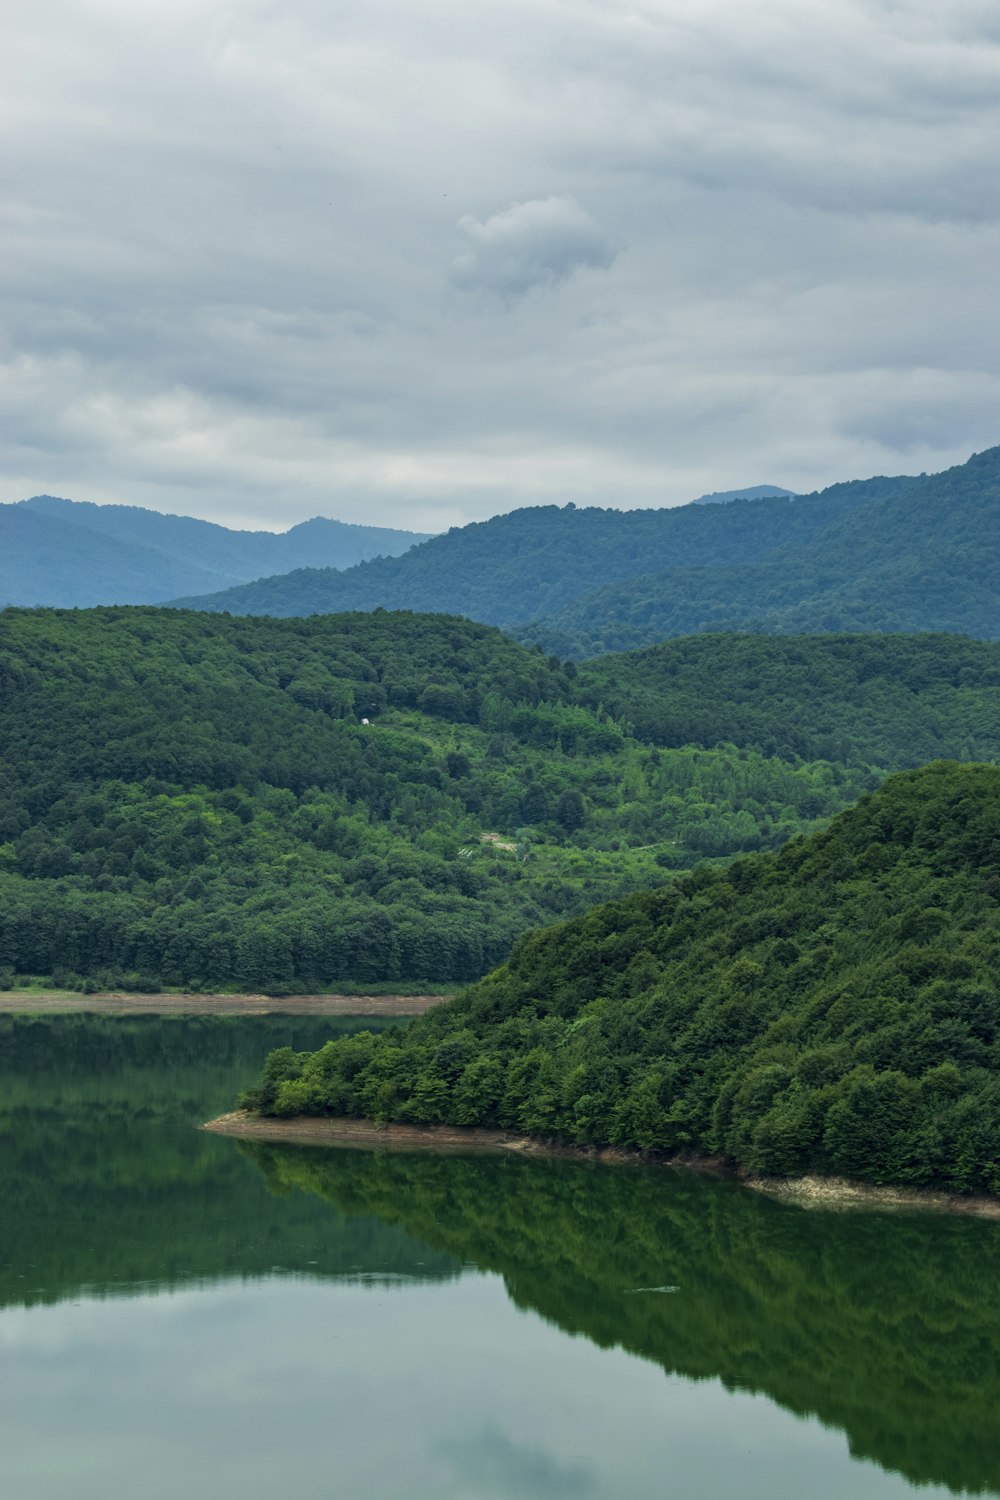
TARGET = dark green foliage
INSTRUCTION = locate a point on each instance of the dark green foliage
(895, 701)
(67, 553)
(885, 1327)
(924, 555)
(188, 799)
(194, 800)
(532, 563)
(831, 1008)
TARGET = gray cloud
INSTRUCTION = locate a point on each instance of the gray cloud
(538, 243)
(702, 244)
(490, 1462)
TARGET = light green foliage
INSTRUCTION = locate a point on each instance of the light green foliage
(192, 800)
(833, 1007)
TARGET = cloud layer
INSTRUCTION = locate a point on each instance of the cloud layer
(423, 263)
(535, 244)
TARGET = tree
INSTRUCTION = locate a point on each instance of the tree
(571, 812)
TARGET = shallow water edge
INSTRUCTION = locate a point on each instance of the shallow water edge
(70, 1002)
(808, 1192)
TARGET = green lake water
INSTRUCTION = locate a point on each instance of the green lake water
(185, 1315)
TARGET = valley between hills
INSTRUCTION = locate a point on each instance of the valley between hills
(629, 859)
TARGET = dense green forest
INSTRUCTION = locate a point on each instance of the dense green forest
(832, 1007)
(71, 553)
(896, 701)
(532, 563)
(188, 799)
(885, 1328)
(875, 555)
(923, 556)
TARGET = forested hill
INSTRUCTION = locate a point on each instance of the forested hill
(752, 492)
(71, 553)
(532, 563)
(194, 799)
(894, 701)
(876, 555)
(833, 1007)
(924, 557)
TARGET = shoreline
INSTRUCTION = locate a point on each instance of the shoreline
(807, 1192)
(317, 1130)
(122, 1003)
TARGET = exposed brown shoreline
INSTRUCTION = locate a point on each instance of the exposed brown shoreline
(62, 1002)
(310, 1130)
(809, 1192)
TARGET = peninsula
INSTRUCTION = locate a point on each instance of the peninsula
(830, 1009)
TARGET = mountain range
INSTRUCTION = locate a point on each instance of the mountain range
(882, 554)
(74, 554)
(892, 554)
(535, 563)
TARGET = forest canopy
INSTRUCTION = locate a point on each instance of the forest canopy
(194, 800)
(882, 554)
(832, 1007)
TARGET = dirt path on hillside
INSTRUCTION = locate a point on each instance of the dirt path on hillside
(62, 1002)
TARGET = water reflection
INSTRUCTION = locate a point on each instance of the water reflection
(884, 1325)
(182, 1313)
(106, 1185)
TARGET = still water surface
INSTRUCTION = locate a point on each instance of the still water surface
(183, 1314)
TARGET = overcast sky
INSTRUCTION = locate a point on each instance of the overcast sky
(420, 261)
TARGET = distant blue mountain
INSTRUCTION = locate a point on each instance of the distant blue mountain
(532, 564)
(74, 554)
(752, 492)
(882, 554)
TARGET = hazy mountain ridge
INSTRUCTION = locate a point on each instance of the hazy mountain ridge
(76, 554)
(922, 557)
(530, 564)
(751, 492)
(883, 554)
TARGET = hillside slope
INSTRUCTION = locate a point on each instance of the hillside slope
(74, 554)
(895, 701)
(193, 798)
(533, 562)
(926, 557)
(833, 1007)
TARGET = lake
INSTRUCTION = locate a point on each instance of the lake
(183, 1314)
